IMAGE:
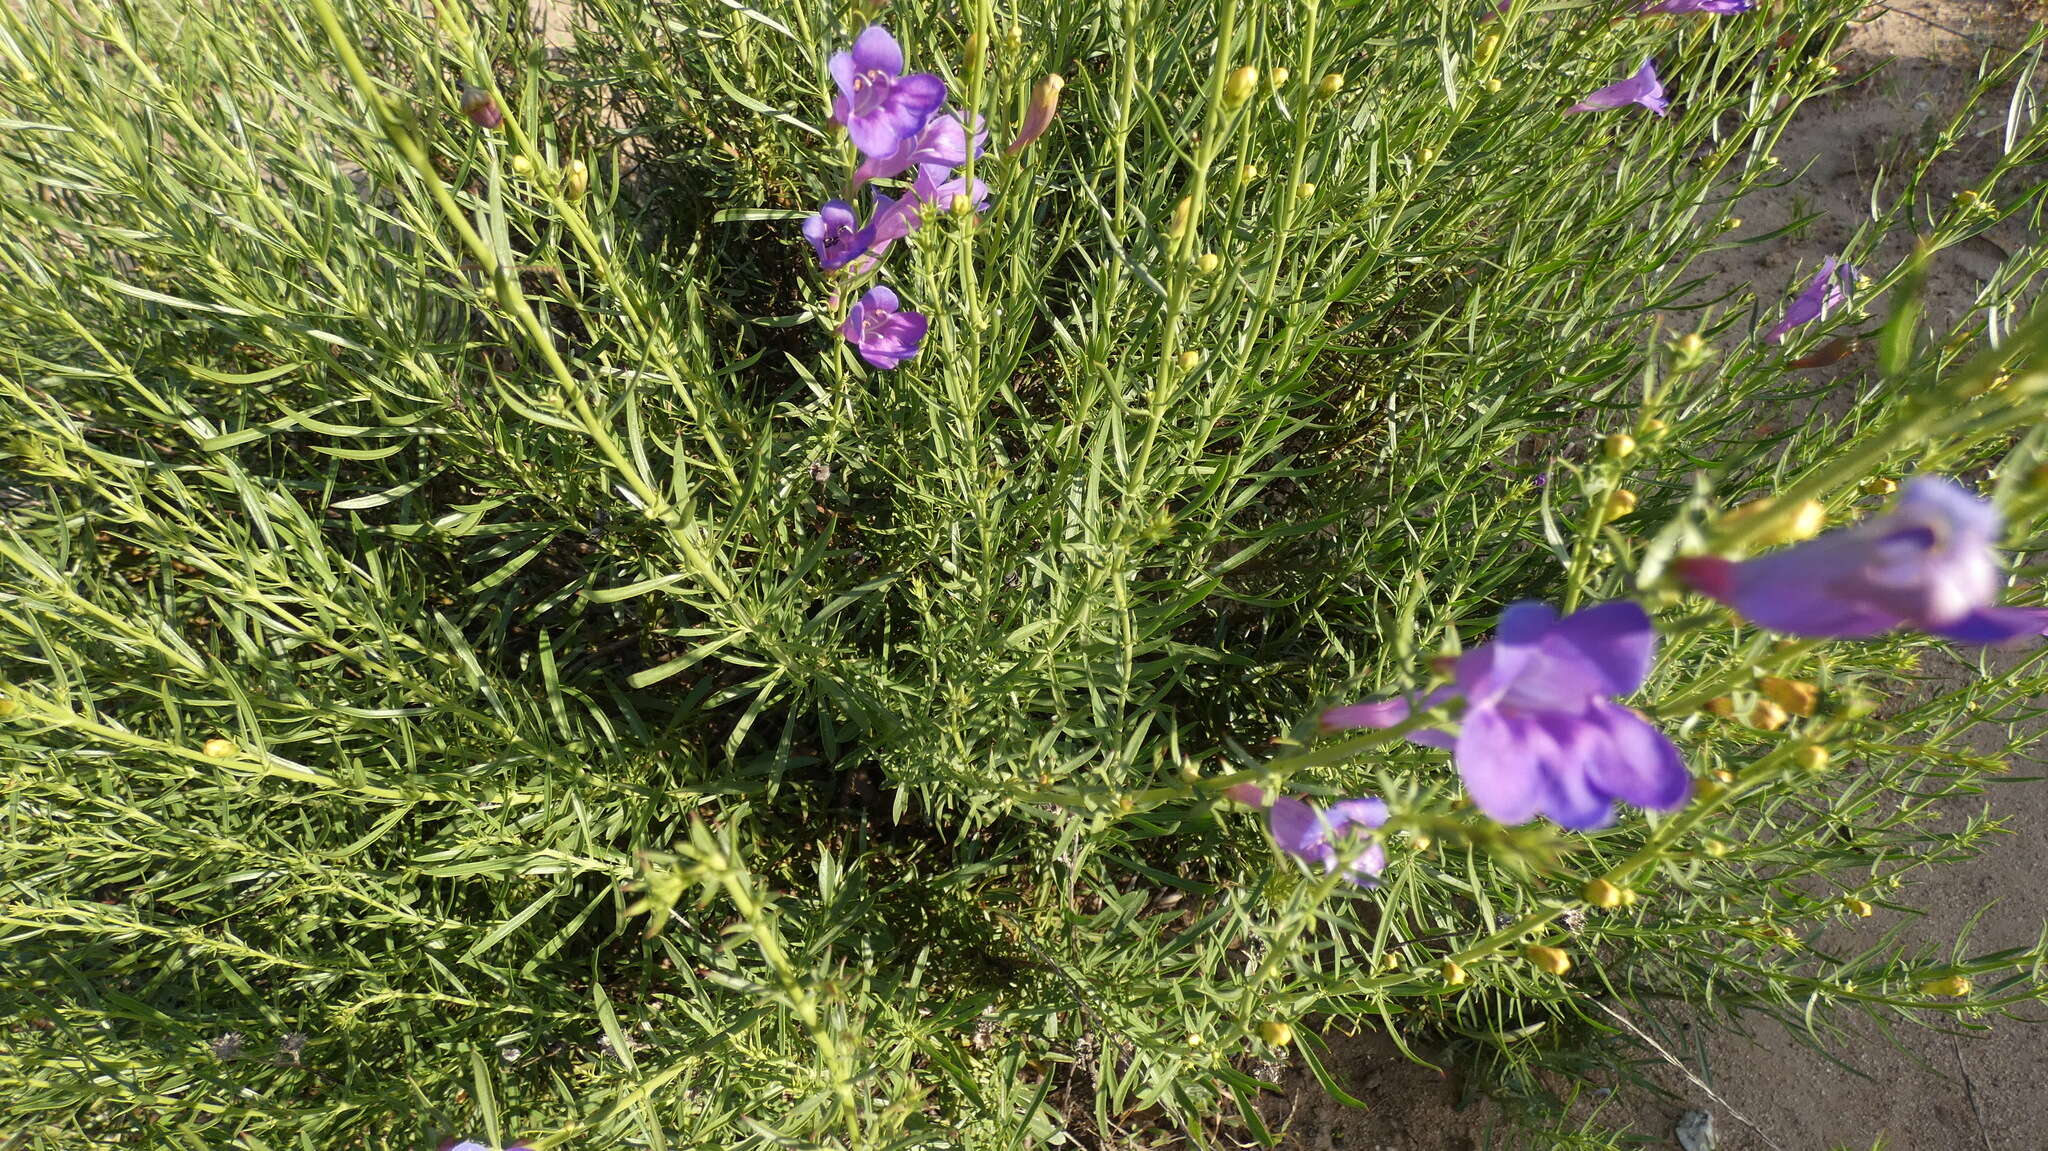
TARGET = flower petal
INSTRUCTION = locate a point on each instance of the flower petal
(1997, 625)
(1616, 640)
(875, 49)
(1633, 761)
(1497, 758)
(1298, 829)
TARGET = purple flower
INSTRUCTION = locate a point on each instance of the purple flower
(1326, 838)
(1539, 733)
(472, 1145)
(1642, 88)
(940, 144)
(837, 235)
(884, 335)
(879, 105)
(895, 219)
(1828, 291)
(1930, 564)
(1704, 7)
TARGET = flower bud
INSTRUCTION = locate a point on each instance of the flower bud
(1548, 958)
(1879, 486)
(1189, 360)
(1690, 351)
(1733, 223)
(1601, 893)
(1425, 155)
(1304, 189)
(1249, 794)
(1794, 695)
(1620, 502)
(1246, 173)
(1332, 84)
(1805, 522)
(1492, 84)
(480, 108)
(218, 748)
(1618, 446)
(1952, 985)
(1240, 86)
(1768, 715)
(575, 179)
(1708, 790)
(1276, 1033)
(1178, 225)
(1453, 974)
(1045, 104)
(1719, 705)
(521, 166)
(1715, 848)
(1278, 78)
(8, 707)
(1488, 45)
(1628, 897)
(1655, 427)
(961, 205)
(1208, 263)
(1813, 757)
(1858, 908)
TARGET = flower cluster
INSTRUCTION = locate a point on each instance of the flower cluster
(1538, 731)
(899, 124)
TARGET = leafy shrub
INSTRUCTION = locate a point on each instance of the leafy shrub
(484, 657)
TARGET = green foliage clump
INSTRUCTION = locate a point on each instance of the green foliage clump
(482, 657)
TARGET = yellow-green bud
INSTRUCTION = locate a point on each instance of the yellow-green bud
(1655, 427)
(1332, 84)
(1548, 958)
(575, 179)
(1953, 985)
(1246, 173)
(1879, 486)
(1453, 974)
(1794, 695)
(1715, 848)
(521, 166)
(1276, 1033)
(1304, 189)
(962, 205)
(1178, 225)
(1189, 360)
(1620, 502)
(1240, 86)
(1813, 757)
(1425, 155)
(1601, 893)
(1488, 45)
(1278, 78)
(8, 707)
(1492, 84)
(1619, 446)
(1768, 715)
(1859, 908)
(218, 748)
(1208, 263)
(1805, 522)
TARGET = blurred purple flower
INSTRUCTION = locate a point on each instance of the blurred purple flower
(880, 106)
(884, 335)
(836, 232)
(1642, 88)
(1320, 837)
(1930, 564)
(472, 1145)
(1539, 733)
(1704, 7)
(941, 143)
(1828, 291)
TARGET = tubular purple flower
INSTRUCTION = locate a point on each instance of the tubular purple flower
(880, 106)
(1930, 564)
(836, 232)
(1326, 838)
(1540, 733)
(941, 144)
(884, 334)
(1702, 7)
(1642, 88)
(1828, 291)
(895, 219)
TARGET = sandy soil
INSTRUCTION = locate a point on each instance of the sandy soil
(1916, 1089)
